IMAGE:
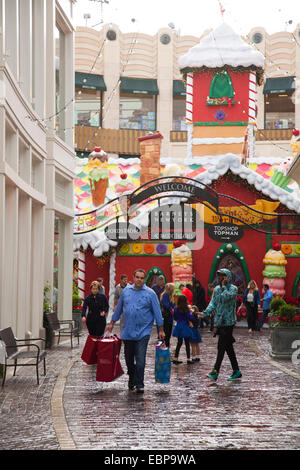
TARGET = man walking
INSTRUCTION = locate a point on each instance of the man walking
(268, 297)
(159, 287)
(139, 307)
(224, 304)
(120, 287)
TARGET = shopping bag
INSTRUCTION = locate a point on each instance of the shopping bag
(89, 353)
(162, 363)
(108, 364)
(241, 311)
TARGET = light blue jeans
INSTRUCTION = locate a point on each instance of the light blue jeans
(135, 357)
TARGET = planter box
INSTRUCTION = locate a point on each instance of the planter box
(281, 341)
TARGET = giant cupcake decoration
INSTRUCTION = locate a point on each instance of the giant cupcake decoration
(98, 175)
(274, 272)
(181, 263)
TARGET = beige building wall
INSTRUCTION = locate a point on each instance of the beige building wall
(144, 56)
(31, 158)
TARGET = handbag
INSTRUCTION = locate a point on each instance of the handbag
(108, 363)
(89, 353)
(162, 363)
(241, 311)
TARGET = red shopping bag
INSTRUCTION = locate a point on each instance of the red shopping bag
(109, 367)
(241, 311)
(89, 353)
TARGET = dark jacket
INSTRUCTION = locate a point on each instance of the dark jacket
(166, 307)
(200, 300)
(95, 305)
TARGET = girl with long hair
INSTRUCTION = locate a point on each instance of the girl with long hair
(182, 330)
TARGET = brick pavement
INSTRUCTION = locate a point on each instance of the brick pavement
(70, 410)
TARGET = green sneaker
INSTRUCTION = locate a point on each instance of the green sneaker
(213, 375)
(236, 375)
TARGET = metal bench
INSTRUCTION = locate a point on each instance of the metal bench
(14, 353)
(59, 327)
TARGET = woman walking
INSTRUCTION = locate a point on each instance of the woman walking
(167, 308)
(97, 306)
(251, 300)
(182, 330)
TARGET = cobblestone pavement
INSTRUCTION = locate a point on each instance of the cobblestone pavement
(70, 410)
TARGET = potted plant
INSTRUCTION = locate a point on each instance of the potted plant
(276, 303)
(76, 306)
(285, 329)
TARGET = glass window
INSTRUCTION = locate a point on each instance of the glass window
(279, 111)
(87, 107)
(179, 113)
(138, 112)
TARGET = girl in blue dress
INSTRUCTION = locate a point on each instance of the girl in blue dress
(182, 330)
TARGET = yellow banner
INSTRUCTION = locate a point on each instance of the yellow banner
(245, 214)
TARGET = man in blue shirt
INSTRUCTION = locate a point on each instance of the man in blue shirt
(268, 297)
(139, 307)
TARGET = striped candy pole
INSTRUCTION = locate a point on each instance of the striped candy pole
(252, 97)
(189, 98)
(252, 114)
(81, 274)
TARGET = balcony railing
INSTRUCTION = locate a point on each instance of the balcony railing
(120, 141)
(125, 141)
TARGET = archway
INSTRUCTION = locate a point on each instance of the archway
(152, 276)
(296, 286)
(230, 256)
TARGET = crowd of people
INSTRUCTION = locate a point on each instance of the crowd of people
(138, 306)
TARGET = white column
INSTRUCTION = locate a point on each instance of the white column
(2, 29)
(165, 86)
(39, 56)
(50, 64)
(10, 256)
(12, 36)
(37, 269)
(24, 266)
(2, 252)
(65, 269)
(67, 87)
(25, 32)
(112, 67)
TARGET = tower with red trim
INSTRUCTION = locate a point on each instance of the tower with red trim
(221, 74)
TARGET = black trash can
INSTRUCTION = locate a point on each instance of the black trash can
(49, 332)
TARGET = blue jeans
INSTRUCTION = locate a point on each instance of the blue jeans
(135, 357)
(264, 316)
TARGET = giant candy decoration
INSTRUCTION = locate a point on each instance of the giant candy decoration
(98, 175)
(274, 272)
(182, 263)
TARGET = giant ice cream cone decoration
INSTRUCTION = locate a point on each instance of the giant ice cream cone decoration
(98, 175)
(274, 272)
(181, 263)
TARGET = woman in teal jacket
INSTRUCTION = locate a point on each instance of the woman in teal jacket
(224, 305)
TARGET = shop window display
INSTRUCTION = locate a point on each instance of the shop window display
(87, 107)
(179, 113)
(279, 111)
(138, 112)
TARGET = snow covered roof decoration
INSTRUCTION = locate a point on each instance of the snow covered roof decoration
(206, 170)
(219, 48)
(233, 163)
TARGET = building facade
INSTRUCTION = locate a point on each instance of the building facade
(129, 83)
(36, 162)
